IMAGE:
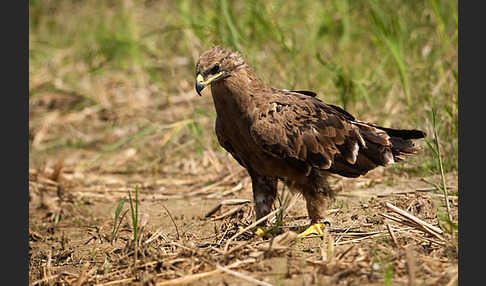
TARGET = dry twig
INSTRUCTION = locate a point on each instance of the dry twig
(243, 276)
(228, 213)
(390, 231)
(191, 278)
(435, 231)
(411, 267)
(249, 227)
(177, 229)
(290, 205)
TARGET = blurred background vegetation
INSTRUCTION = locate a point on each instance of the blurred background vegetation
(131, 63)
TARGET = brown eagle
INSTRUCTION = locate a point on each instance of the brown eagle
(291, 135)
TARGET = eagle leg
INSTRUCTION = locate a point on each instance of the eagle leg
(317, 194)
(264, 194)
(315, 228)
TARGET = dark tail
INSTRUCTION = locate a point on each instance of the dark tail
(383, 147)
(402, 133)
(401, 139)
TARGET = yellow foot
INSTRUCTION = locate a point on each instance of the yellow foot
(313, 229)
(263, 233)
(260, 231)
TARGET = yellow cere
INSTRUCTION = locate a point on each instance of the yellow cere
(200, 79)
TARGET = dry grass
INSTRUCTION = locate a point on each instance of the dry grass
(203, 232)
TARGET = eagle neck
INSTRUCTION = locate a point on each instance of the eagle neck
(234, 94)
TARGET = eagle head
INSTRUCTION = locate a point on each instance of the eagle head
(214, 65)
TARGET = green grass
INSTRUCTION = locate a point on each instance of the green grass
(283, 200)
(444, 216)
(134, 213)
(388, 275)
(386, 61)
(118, 219)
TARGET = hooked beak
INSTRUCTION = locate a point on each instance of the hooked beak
(201, 83)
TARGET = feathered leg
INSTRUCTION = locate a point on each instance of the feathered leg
(264, 193)
(317, 194)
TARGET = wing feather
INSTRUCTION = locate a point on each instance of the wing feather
(305, 129)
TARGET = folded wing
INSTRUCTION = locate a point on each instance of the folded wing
(311, 134)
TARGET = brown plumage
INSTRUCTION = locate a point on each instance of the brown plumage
(292, 135)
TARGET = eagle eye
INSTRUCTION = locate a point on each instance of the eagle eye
(214, 69)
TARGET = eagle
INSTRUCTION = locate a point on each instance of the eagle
(292, 136)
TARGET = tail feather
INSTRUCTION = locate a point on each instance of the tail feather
(402, 148)
(382, 146)
(401, 141)
(403, 133)
(387, 145)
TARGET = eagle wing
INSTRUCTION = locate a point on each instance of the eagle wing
(311, 134)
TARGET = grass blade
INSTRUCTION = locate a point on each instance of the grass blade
(441, 168)
(117, 222)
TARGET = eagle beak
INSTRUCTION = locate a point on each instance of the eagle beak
(199, 84)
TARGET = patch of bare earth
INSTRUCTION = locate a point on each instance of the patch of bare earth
(190, 232)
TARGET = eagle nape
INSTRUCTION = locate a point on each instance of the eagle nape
(292, 136)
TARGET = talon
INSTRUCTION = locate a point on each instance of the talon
(260, 231)
(315, 228)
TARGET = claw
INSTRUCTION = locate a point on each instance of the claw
(313, 229)
(260, 231)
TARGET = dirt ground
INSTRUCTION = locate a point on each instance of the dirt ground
(182, 234)
(195, 202)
